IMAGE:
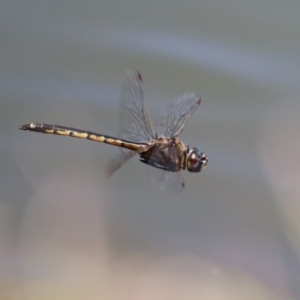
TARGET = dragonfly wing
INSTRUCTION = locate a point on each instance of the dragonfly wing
(174, 118)
(165, 180)
(135, 122)
(117, 162)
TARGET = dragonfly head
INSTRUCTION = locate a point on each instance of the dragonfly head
(196, 160)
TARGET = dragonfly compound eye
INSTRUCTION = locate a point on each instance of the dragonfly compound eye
(196, 160)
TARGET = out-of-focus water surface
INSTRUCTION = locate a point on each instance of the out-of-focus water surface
(66, 232)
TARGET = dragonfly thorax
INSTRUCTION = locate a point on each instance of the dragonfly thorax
(196, 160)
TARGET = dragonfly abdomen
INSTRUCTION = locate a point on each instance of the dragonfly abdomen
(82, 134)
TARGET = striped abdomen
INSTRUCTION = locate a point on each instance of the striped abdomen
(82, 134)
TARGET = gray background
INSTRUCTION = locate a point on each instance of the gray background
(66, 232)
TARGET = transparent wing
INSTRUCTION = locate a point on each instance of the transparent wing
(173, 119)
(135, 122)
(117, 162)
(171, 181)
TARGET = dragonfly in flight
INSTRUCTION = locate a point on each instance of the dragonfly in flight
(156, 143)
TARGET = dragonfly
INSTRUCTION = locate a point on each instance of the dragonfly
(156, 142)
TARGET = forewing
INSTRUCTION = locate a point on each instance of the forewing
(173, 119)
(165, 180)
(135, 122)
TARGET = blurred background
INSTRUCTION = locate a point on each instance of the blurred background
(66, 232)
